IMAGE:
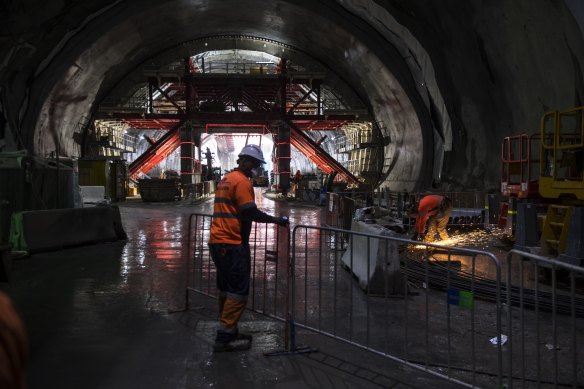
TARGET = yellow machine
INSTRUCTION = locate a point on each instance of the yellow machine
(562, 154)
(111, 173)
(545, 172)
(562, 179)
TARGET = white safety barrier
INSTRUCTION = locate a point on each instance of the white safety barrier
(92, 195)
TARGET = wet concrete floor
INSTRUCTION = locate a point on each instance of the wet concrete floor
(101, 316)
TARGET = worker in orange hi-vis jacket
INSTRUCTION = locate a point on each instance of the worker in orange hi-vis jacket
(434, 210)
(296, 180)
(13, 346)
(233, 212)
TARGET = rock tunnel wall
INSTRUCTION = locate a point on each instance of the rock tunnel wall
(492, 70)
(499, 66)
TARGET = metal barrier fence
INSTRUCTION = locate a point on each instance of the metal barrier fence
(269, 245)
(423, 305)
(544, 322)
(452, 312)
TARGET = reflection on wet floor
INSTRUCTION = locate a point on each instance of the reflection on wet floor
(98, 315)
(99, 318)
(326, 298)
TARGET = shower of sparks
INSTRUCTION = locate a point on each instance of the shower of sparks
(479, 239)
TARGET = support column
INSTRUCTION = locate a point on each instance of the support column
(492, 210)
(190, 140)
(282, 174)
(187, 153)
(527, 232)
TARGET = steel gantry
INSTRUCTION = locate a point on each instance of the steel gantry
(285, 102)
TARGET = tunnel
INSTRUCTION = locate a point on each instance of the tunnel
(441, 83)
(435, 87)
(393, 96)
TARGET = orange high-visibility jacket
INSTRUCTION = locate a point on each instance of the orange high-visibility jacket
(13, 346)
(234, 193)
(429, 206)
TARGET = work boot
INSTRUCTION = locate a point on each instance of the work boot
(235, 345)
(226, 336)
(232, 340)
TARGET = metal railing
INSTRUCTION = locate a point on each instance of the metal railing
(139, 104)
(269, 262)
(451, 312)
(544, 322)
(437, 326)
(239, 68)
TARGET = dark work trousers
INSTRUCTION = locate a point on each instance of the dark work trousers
(437, 223)
(233, 263)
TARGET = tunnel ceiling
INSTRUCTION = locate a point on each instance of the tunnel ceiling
(216, 53)
(113, 42)
(444, 80)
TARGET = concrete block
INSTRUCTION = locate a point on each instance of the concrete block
(92, 195)
(45, 230)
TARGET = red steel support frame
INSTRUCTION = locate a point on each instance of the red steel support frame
(231, 91)
(161, 149)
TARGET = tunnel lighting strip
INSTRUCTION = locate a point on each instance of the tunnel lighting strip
(241, 37)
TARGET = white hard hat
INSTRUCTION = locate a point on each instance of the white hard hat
(253, 151)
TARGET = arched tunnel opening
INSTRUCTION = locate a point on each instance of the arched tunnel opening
(401, 99)
(332, 117)
(360, 72)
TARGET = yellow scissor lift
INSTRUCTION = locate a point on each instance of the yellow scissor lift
(562, 178)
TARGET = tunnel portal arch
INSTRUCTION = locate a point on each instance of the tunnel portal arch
(117, 42)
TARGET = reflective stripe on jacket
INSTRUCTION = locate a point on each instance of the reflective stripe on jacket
(234, 193)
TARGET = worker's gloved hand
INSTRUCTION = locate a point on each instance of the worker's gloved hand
(282, 221)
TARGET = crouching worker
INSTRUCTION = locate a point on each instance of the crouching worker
(233, 212)
(434, 210)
